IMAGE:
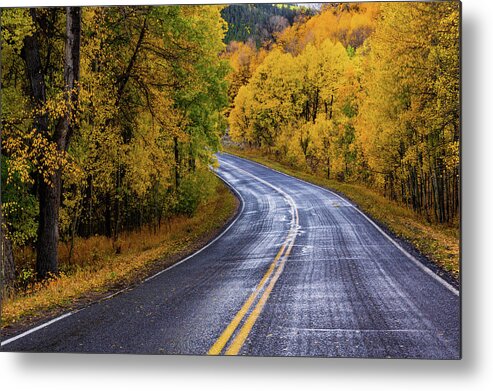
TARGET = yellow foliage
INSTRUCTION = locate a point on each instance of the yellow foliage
(349, 24)
(366, 92)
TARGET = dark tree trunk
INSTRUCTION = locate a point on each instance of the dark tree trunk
(315, 106)
(177, 162)
(331, 103)
(30, 54)
(47, 255)
(328, 167)
(71, 76)
(107, 215)
(7, 258)
(47, 243)
(7, 266)
(50, 193)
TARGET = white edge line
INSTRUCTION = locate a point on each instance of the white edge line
(41, 326)
(36, 329)
(290, 200)
(214, 240)
(409, 256)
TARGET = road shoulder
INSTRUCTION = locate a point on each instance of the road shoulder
(438, 248)
(210, 221)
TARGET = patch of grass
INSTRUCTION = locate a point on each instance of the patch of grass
(96, 268)
(439, 243)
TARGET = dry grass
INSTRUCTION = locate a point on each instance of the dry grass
(96, 268)
(438, 242)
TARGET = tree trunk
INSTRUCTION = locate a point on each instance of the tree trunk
(328, 167)
(46, 258)
(177, 162)
(107, 215)
(30, 54)
(7, 258)
(315, 107)
(331, 104)
(50, 193)
(71, 74)
(47, 243)
(7, 266)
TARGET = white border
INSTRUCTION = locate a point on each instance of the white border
(27, 372)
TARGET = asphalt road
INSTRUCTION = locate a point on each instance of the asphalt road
(300, 272)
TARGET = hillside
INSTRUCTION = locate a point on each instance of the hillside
(259, 22)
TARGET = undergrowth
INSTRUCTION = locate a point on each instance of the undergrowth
(99, 264)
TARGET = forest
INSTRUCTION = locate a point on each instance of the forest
(260, 23)
(365, 93)
(109, 119)
(110, 116)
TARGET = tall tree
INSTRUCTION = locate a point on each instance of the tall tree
(365, 92)
(95, 153)
(49, 188)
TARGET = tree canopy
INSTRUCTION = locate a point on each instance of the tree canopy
(361, 92)
(144, 111)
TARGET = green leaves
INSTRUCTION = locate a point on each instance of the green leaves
(149, 75)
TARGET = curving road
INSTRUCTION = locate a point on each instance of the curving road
(300, 272)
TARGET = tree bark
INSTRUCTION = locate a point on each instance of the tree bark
(50, 193)
(7, 266)
(47, 242)
(177, 162)
(67, 125)
(7, 258)
(46, 255)
(31, 55)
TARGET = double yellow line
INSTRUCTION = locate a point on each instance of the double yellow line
(268, 281)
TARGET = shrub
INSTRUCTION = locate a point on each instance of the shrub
(194, 189)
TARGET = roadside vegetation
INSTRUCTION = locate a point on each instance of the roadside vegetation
(362, 98)
(110, 119)
(100, 266)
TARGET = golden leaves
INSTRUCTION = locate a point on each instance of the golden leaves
(16, 25)
(383, 109)
(32, 152)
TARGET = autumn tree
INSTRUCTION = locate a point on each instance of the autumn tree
(364, 92)
(38, 154)
(409, 120)
(243, 58)
(119, 142)
(299, 106)
(50, 190)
